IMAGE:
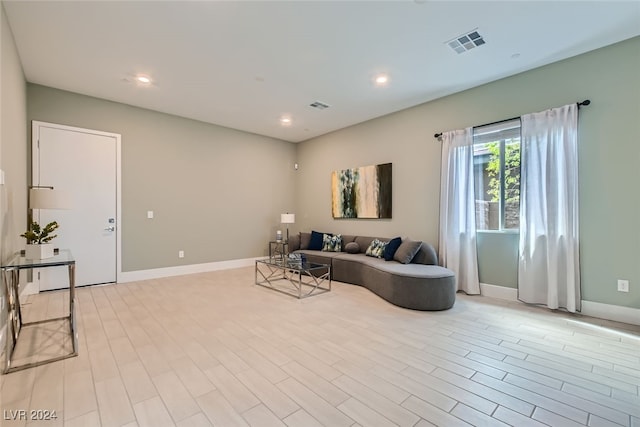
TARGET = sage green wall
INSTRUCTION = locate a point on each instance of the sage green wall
(397, 138)
(498, 258)
(609, 155)
(217, 193)
(13, 157)
(13, 153)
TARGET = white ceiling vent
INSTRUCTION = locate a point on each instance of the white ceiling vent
(466, 41)
(319, 105)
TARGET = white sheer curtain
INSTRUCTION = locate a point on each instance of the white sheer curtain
(457, 245)
(549, 264)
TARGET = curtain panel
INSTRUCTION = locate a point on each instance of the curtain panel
(549, 260)
(457, 242)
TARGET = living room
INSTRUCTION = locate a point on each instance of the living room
(218, 192)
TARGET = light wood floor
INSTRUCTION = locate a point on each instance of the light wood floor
(214, 349)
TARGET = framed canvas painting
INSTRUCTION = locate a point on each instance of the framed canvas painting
(363, 192)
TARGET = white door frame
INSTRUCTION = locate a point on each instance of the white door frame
(35, 166)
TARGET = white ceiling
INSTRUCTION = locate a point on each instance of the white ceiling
(245, 64)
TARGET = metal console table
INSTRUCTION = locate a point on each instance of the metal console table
(10, 279)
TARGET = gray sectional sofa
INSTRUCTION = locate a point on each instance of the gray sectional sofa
(417, 282)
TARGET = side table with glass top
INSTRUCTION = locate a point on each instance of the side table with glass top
(278, 249)
(10, 279)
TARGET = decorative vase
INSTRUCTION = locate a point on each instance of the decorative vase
(41, 251)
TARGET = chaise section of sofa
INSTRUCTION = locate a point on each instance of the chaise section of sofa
(419, 285)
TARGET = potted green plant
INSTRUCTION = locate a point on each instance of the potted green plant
(38, 238)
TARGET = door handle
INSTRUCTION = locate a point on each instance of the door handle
(111, 228)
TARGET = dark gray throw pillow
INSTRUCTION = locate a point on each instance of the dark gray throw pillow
(407, 250)
(305, 239)
(352, 248)
(294, 242)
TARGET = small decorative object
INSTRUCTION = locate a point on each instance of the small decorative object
(296, 259)
(279, 236)
(38, 238)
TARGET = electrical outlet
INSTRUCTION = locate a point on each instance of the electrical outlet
(180, 254)
(623, 286)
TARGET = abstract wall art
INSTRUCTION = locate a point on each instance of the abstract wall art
(363, 192)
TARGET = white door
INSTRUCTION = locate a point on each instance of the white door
(85, 164)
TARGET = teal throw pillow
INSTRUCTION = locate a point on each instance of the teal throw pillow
(332, 243)
(376, 248)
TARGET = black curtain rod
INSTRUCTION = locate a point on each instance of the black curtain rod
(580, 104)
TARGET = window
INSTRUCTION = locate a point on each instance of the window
(496, 168)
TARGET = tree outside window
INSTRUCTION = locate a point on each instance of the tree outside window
(497, 180)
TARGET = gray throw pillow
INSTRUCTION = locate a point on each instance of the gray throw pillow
(352, 248)
(407, 250)
(294, 242)
(305, 239)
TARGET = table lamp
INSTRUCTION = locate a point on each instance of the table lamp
(287, 218)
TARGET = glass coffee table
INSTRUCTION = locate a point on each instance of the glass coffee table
(295, 277)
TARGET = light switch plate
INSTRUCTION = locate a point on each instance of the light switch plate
(149, 214)
(623, 286)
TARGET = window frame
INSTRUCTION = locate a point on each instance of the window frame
(501, 132)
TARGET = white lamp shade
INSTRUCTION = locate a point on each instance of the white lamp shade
(288, 218)
(46, 198)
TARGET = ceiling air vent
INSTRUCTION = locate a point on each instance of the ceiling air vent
(466, 41)
(319, 105)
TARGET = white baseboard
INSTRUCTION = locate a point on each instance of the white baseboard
(616, 313)
(157, 273)
(499, 292)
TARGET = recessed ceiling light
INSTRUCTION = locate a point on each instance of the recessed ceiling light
(143, 80)
(285, 121)
(381, 80)
(139, 79)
